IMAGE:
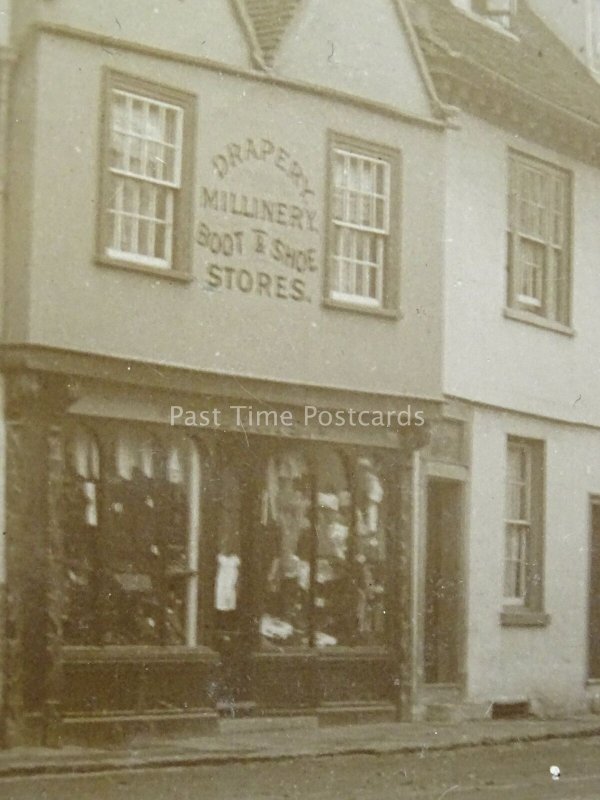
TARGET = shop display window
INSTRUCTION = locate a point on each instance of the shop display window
(132, 567)
(322, 550)
(301, 525)
(350, 584)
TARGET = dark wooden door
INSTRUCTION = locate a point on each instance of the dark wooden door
(594, 590)
(442, 581)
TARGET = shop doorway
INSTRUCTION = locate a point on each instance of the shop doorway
(233, 517)
(442, 581)
(594, 593)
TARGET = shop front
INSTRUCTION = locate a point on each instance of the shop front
(196, 573)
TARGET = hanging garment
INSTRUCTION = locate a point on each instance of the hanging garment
(269, 509)
(226, 583)
(91, 513)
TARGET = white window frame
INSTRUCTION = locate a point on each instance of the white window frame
(539, 235)
(363, 237)
(137, 179)
(522, 526)
(146, 177)
(353, 264)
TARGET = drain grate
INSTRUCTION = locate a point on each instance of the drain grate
(510, 709)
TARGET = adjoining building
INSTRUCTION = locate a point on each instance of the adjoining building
(520, 282)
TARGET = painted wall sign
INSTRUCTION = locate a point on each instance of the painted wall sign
(258, 229)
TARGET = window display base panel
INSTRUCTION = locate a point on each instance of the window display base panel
(118, 700)
(114, 730)
(109, 701)
(325, 683)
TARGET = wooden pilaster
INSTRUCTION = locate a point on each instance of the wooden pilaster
(411, 439)
(35, 463)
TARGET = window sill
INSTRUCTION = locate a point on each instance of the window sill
(540, 322)
(89, 654)
(156, 272)
(372, 311)
(523, 618)
(360, 652)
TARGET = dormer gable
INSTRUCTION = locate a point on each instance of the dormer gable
(365, 50)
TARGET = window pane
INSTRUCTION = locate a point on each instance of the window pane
(354, 208)
(381, 185)
(80, 537)
(354, 173)
(135, 162)
(177, 543)
(367, 211)
(350, 572)
(170, 164)
(172, 122)
(369, 552)
(131, 556)
(562, 289)
(380, 214)
(156, 166)
(532, 261)
(368, 181)
(286, 548)
(336, 592)
(516, 562)
(538, 211)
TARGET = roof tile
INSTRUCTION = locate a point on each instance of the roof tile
(270, 19)
(533, 59)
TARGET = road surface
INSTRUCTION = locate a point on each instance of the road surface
(509, 772)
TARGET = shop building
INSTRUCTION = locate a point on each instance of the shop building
(196, 525)
(280, 435)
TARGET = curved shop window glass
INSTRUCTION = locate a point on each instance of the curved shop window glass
(141, 556)
(287, 549)
(323, 550)
(80, 527)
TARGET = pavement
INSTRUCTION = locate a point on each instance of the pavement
(278, 740)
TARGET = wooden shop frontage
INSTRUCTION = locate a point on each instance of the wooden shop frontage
(162, 574)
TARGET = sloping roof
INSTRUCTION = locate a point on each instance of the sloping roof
(270, 19)
(533, 60)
